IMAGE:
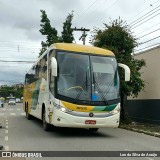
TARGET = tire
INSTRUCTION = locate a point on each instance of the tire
(93, 129)
(46, 126)
(28, 116)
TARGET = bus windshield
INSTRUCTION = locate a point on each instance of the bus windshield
(87, 77)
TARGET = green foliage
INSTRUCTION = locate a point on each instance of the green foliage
(15, 91)
(118, 38)
(18, 92)
(48, 30)
(52, 34)
(67, 33)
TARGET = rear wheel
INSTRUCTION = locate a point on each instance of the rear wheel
(46, 126)
(93, 129)
(28, 116)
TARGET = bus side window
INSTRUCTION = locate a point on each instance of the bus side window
(30, 76)
(43, 68)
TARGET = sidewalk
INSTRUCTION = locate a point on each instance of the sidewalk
(149, 129)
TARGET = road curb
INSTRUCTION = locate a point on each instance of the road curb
(155, 134)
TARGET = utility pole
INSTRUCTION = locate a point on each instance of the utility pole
(84, 30)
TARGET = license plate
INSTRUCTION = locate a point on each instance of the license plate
(90, 122)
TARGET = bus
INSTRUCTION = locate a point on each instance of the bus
(74, 85)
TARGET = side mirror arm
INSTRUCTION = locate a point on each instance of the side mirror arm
(54, 67)
(127, 71)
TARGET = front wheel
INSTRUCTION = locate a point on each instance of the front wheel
(46, 126)
(93, 129)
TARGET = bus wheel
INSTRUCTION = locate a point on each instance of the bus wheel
(46, 126)
(93, 129)
(28, 116)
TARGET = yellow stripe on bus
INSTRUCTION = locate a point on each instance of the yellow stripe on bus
(82, 49)
(76, 107)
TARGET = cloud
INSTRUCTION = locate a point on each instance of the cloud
(24, 18)
(11, 76)
(20, 24)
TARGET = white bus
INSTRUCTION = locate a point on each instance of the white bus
(74, 85)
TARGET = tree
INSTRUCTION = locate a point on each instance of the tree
(48, 30)
(18, 92)
(67, 33)
(52, 34)
(118, 38)
(7, 91)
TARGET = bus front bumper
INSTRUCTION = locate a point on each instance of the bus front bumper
(66, 120)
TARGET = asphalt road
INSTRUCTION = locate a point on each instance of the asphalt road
(19, 134)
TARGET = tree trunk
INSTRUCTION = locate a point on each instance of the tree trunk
(124, 116)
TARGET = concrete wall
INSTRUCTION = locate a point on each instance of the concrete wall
(146, 107)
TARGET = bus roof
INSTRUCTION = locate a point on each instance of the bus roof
(82, 48)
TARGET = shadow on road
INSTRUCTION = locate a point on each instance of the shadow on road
(61, 132)
(77, 132)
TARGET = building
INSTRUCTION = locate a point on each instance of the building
(146, 107)
(18, 85)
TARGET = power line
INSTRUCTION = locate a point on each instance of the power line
(149, 33)
(19, 58)
(19, 47)
(141, 11)
(8, 66)
(15, 45)
(18, 61)
(139, 19)
(85, 10)
(20, 43)
(154, 45)
(97, 16)
(11, 81)
(148, 28)
(146, 21)
(106, 8)
(149, 40)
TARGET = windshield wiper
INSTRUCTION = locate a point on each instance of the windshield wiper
(99, 90)
(110, 84)
(85, 84)
(103, 94)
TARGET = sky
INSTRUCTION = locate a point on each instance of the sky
(20, 39)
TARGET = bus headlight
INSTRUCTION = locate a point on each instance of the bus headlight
(116, 110)
(66, 110)
(61, 108)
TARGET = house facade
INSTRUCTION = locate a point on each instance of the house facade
(146, 107)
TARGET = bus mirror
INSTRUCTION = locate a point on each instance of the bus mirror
(54, 67)
(127, 71)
